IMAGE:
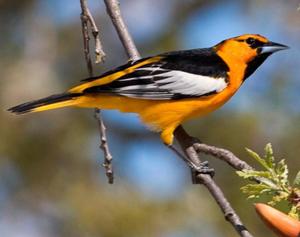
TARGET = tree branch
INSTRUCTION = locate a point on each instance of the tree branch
(183, 138)
(224, 155)
(107, 164)
(228, 157)
(113, 10)
(86, 37)
(187, 142)
(86, 19)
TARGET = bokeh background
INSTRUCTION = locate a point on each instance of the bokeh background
(51, 179)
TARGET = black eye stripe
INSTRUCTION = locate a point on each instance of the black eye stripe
(250, 41)
(254, 43)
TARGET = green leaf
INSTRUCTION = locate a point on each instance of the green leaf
(257, 158)
(269, 157)
(277, 197)
(272, 181)
(282, 172)
(263, 177)
(294, 212)
(255, 190)
(246, 174)
(242, 174)
(296, 181)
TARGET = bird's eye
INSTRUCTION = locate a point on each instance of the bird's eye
(250, 41)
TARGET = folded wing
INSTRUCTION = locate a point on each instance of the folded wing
(176, 76)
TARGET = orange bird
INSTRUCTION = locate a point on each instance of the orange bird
(170, 88)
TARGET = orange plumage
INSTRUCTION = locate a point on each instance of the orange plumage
(170, 88)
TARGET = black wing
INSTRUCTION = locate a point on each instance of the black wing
(180, 74)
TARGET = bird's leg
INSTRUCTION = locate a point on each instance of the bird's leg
(182, 156)
(187, 144)
(194, 140)
(204, 166)
(201, 168)
(205, 169)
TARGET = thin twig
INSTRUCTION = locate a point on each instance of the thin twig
(224, 155)
(86, 17)
(86, 37)
(228, 157)
(184, 139)
(229, 213)
(107, 163)
(104, 146)
(113, 10)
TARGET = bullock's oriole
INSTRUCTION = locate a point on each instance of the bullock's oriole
(170, 88)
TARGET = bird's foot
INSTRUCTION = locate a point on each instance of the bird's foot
(204, 168)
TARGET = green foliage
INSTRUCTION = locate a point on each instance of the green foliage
(297, 180)
(272, 181)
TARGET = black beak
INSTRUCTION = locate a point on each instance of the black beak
(271, 47)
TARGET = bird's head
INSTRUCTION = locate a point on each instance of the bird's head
(250, 49)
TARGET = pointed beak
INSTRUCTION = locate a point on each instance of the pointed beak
(271, 47)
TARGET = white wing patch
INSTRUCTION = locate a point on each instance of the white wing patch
(163, 84)
(171, 84)
(191, 84)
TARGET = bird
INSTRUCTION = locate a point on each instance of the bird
(168, 89)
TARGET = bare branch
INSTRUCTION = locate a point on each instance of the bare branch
(227, 156)
(104, 146)
(113, 10)
(86, 37)
(229, 213)
(187, 142)
(224, 155)
(86, 17)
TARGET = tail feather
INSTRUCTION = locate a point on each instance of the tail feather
(50, 102)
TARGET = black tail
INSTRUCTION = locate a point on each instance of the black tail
(50, 102)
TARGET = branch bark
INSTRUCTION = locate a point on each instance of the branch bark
(87, 17)
(113, 10)
(86, 21)
(224, 155)
(186, 142)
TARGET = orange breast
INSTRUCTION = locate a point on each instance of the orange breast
(166, 115)
(159, 115)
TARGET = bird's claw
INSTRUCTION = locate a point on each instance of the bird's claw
(204, 168)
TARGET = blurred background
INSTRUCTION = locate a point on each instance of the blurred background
(51, 179)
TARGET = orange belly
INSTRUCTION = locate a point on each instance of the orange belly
(163, 115)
